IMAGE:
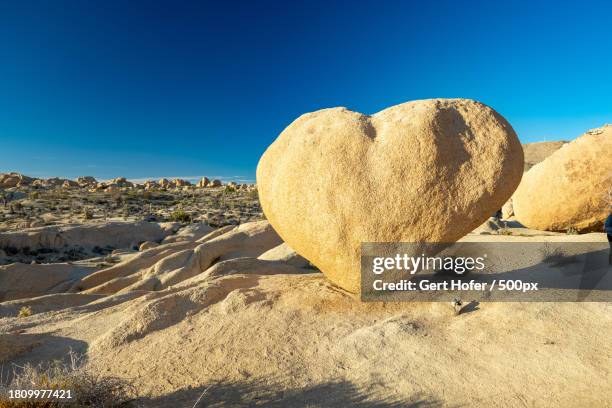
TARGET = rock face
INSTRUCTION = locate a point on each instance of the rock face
(9, 180)
(177, 182)
(191, 232)
(571, 188)
(69, 184)
(204, 182)
(508, 210)
(114, 234)
(147, 245)
(215, 183)
(537, 152)
(86, 181)
(150, 185)
(22, 280)
(164, 183)
(423, 171)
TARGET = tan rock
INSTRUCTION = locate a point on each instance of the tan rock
(9, 180)
(29, 280)
(176, 262)
(215, 183)
(204, 182)
(570, 188)
(54, 182)
(147, 245)
(86, 181)
(164, 183)
(69, 184)
(284, 253)
(177, 182)
(121, 182)
(191, 232)
(113, 234)
(508, 210)
(150, 185)
(430, 170)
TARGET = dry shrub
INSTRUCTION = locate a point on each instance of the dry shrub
(87, 388)
(25, 311)
(180, 216)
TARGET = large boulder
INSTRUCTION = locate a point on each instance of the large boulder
(164, 183)
(570, 189)
(177, 182)
(423, 171)
(120, 182)
(150, 185)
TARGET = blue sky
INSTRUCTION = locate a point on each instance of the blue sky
(176, 88)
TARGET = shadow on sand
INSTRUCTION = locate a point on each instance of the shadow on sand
(18, 349)
(259, 394)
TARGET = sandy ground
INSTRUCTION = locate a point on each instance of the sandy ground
(255, 332)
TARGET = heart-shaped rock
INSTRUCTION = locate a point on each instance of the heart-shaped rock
(423, 171)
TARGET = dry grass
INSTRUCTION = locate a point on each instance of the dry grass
(88, 389)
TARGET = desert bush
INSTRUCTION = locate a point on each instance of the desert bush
(25, 311)
(88, 214)
(180, 216)
(87, 388)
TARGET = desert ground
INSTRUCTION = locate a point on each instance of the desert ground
(189, 294)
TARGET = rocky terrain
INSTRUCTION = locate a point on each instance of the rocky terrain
(193, 297)
(236, 318)
(58, 221)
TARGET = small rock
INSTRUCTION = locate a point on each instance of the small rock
(147, 245)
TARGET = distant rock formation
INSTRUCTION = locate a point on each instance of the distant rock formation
(537, 152)
(204, 182)
(9, 180)
(86, 181)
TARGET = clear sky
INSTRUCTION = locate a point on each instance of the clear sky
(176, 88)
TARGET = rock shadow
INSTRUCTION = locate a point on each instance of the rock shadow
(249, 393)
(19, 349)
